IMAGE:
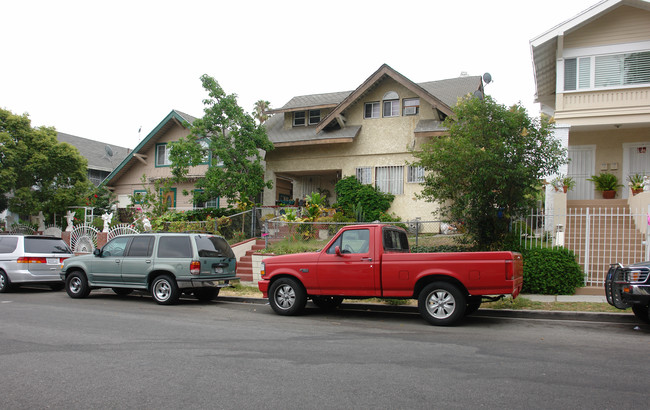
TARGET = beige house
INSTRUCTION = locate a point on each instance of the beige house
(369, 132)
(592, 73)
(150, 158)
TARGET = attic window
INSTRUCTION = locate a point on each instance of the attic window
(391, 104)
(411, 106)
(314, 117)
(298, 118)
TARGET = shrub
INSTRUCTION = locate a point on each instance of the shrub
(440, 248)
(551, 271)
(352, 195)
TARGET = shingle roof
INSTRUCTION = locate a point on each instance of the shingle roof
(278, 135)
(451, 89)
(95, 151)
(314, 100)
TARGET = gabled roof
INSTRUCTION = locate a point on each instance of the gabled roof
(386, 71)
(175, 117)
(313, 101)
(543, 47)
(96, 152)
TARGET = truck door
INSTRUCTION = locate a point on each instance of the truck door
(352, 270)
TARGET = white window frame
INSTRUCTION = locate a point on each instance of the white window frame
(415, 175)
(390, 179)
(314, 117)
(165, 155)
(375, 110)
(410, 102)
(394, 108)
(364, 175)
(304, 119)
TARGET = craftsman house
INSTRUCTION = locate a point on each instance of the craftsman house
(369, 132)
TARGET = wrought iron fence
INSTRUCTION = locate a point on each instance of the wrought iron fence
(598, 236)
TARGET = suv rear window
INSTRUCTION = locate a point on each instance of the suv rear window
(174, 247)
(213, 246)
(8, 245)
(45, 245)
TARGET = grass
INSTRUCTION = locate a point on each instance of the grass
(521, 303)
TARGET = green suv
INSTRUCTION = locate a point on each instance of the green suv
(164, 264)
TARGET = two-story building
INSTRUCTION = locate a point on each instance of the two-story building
(369, 132)
(592, 73)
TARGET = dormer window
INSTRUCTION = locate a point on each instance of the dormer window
(314, 117)
(391, 104)
(298, 118)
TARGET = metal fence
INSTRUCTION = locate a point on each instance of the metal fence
(598, 236)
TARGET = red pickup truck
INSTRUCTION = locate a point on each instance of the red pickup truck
(364, 261)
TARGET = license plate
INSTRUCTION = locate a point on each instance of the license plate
(52, 261)
(218, 270)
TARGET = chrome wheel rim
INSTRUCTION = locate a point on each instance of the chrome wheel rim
(285, 297)
(162, 290)
(75, 285)
(441, 304)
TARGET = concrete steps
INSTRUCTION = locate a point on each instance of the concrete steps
(245, 263)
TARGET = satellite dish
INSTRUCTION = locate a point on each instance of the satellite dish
(478, 94)
(108, 150)
(487, 78)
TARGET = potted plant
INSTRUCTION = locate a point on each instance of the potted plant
(636, 183)
(606, 183)
(563, 182)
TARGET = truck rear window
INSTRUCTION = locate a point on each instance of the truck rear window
(213, 247)
(45, 245)
(395, 241)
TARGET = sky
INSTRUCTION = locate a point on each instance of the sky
(106, 70)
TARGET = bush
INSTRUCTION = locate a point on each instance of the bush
(353, 197)
(551, 271)
(440, 248)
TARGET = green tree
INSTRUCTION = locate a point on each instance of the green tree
(258, 112)
(362, 202)
(489, 166)
(37, 172)
(229, 139)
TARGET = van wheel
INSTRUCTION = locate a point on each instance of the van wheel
(642, 312)
(327, 302)
(287, 297)
(441, 303)
(76, 285)
(5, 284)
(164, 290)
(206, 294)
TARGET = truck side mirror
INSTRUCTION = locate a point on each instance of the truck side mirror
(337, 250)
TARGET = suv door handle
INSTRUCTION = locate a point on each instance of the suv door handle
(367, 259)
(117, 261)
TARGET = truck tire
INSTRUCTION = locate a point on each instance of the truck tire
(164, 290)
(206, 294)
(76, 285)
(473, 304)
(327, 302)
(642, 312)
(441, 303)
(287, 297)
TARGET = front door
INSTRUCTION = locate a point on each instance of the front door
(582, 166)
(636, 160)
(353, 271)
(107, 267)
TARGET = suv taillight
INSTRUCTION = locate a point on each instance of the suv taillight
(26, 259)
(195, 267)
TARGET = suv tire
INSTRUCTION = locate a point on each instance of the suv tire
(76, 285)
(165, 290)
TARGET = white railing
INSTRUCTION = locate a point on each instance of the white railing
(598, 237)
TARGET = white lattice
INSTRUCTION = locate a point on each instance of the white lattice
(53, 230)
(121, 229)
(22, 229)
(83, 239)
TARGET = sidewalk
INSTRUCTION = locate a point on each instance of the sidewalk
(566, 298)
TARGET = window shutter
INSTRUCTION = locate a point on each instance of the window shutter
(570, 72)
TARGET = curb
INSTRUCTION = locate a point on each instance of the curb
(603, 317)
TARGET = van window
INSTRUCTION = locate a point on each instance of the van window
(174, 247)
(45, 245)
(213, 246)
(8, 245)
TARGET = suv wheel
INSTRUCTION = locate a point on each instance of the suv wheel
(76, 285)
(164, 290)
(5, 284)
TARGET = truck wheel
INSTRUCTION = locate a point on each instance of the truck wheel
(206, 294)
(76, 285)
(441, 303)
(5, 284)
(642, 312)
(473, 304)
(287, 297)
(327, 302)
(164, 290)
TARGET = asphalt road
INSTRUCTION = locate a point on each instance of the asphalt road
(113, 352)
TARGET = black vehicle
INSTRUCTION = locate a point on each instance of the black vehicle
(629, 286)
